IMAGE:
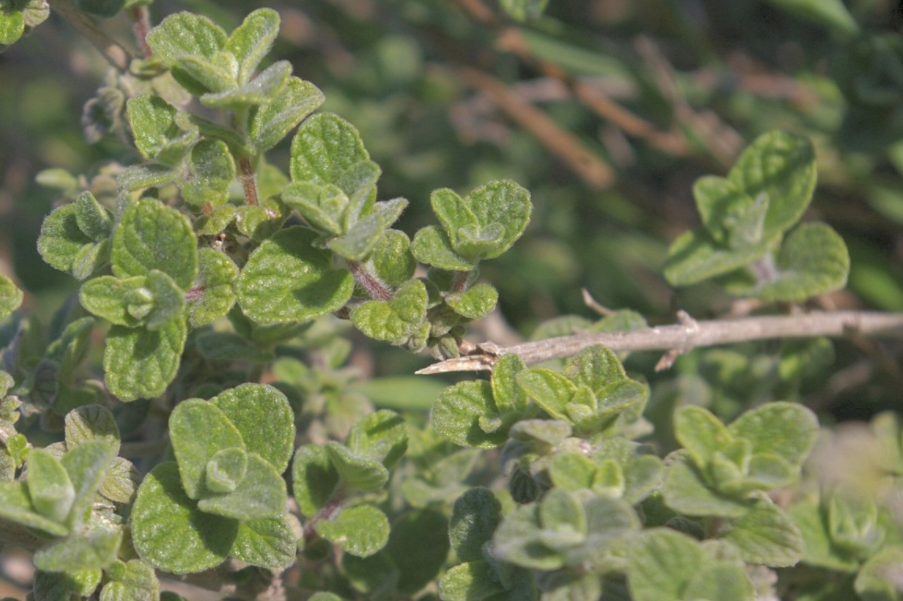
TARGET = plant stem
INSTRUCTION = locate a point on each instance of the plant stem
(140, 17)
(249, 181)
(688, 335)
(325, 513)
(375, 289)
(111, 50)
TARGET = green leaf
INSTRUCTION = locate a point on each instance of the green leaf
(830, 13)
(571, 471)
(418, 546)
(813, 260)
(286, 279)
(876, 580)
(269, 543)
(766, 535)
(131, 581)
(361, 530)
(694, 257)
(95, 549)
(168, 300)
(211, 170)
(90, 258)
(121, 482)
(61, 239)
(16, 506)
(457, 412)
(212, 294)
(520, 540)
(356, 471)
(471, 581)
(393, 321)
(475, 516)
(661, 563)
(168, 530)
(49, 486)
(152, 236)
(86, 465)
(322, 207)
(731, 217)
(10, 297)
(264, 418)
(686, 492)
(198, 431)
(700, 433)
(549, 389)
(500, 203)
(226, 346)
(153, 123)
(432, 247)
(139, 177)
(721, 580)
(252, 40)
(324, 147)
(93, 220)
(225, 470)
(60, 586)
(140, 363)
(381, 436)
(12, 24)
(287, 108)
(261, 494)
(476, 303)
(787, 430)
(188, 43)
(780, 165)
(314, 479)
(259, 91)
(392, 261)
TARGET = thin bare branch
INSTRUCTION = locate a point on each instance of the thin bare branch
(689, 334)
(111, 50)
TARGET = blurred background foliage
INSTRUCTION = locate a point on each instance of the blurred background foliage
(607, 110)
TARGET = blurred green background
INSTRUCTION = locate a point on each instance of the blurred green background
(607, 110)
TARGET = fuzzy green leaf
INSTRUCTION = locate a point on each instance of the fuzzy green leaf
(12, 24)
(121, 481)
(457, 412)
(396, 320)
(766, 535)
(95, 549)
(226, 346)
(212, 294)
(475, 303)
(661, 564)
(152, 236)
(140, 363)
(269, 543)
(93, 220)
(314, 478)
(361, 530)
(356, 471)
(472, 581)
(876, 580)
(500, 204)
(111, 298)
(225, 470)
(264, 418)
(700, 433)
(324, 147)
(392, 260)
(252, 40)
(322, 207)
(381, 436)
(475, 516)
(61, 586)
(153, 123)
(61, 239)
(432, 247)
(131, 581)
(168, 300)
(139, 177)
(286, 279)
(780, 165)
(287, 108)
(256, 92)
(10, 297)
(49, 486)
(787, 430)
(16, 506)
(168, 530)
(551, 390)
(721, 580)
(694, 257)
(91, 422)
(188, 43)
(211, 169)
(199, 430)
(686, 492)
(520, 540)
(818, 548)
(813, 260)
(731, 217)
(418, 546)
(261, 494)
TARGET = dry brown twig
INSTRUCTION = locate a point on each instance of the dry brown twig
(682, 337)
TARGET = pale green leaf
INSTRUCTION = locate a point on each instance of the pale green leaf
(392, 260)
(86, 465)
(61, 239)
(153, 123)
(314, 478)
(93, 220)
(694, 257)
(211, 295)
(60, 586)
(16, 506)
(381, 436)
(140, 363)
(686, 491)
(91, 550)
(168, 530)
(285, 110)
(131, 581)
(324, 147)
(877, 579)
(256, 92)
(286, 279)
(475, 303)
(211, 170)
(700, 433)
(396, 320)
(252, 40)
(361, 530)
(549, 389)
(418, 545)
(120, 482)
(787, 430)
(432, 247)
(138, 177)
(261, 494)
(475, 516)
(49, 486)
(152, 236)
(10, 297)
(90, 258)
(91, 422)
(661, 563)
(268, 543)
(457, 412)
(721, 580)
(766, 535)
(186, 34)
(264, 418)
(225, 470)
(357, 471)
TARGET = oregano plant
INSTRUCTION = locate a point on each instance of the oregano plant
(196, 415)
